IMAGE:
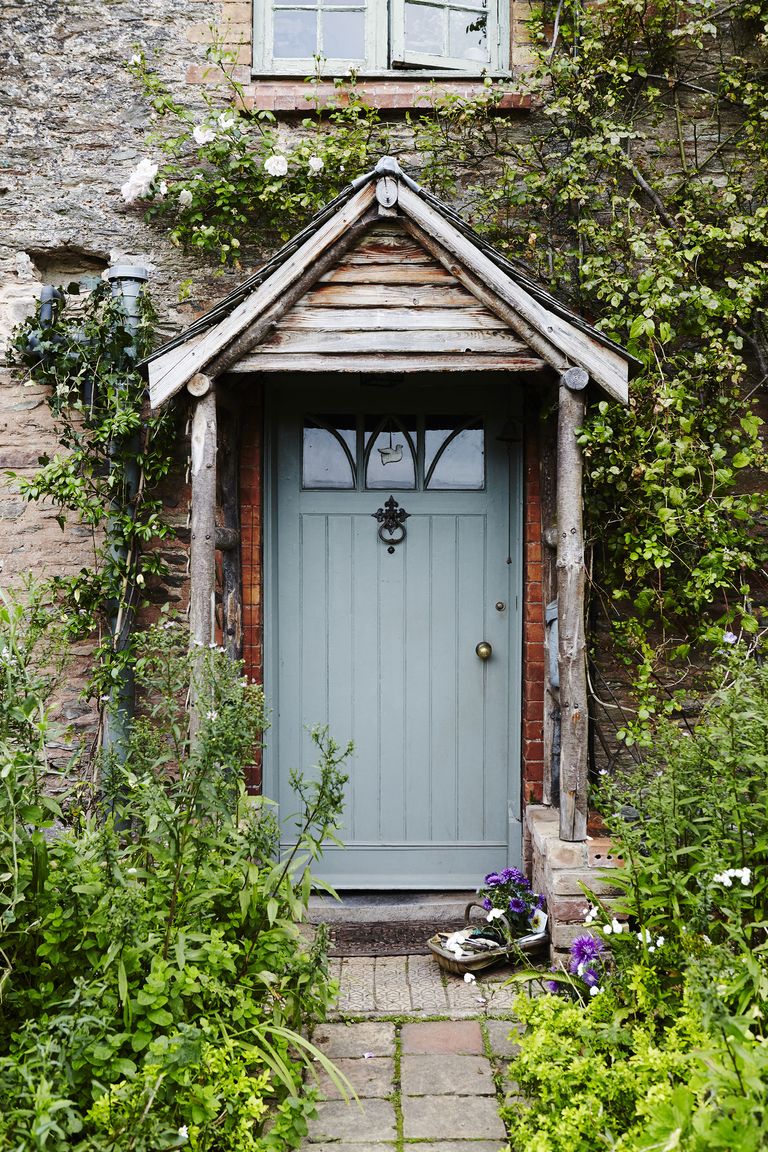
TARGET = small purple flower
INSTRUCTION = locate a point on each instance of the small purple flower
(552, 985)
(487, 903)
(540, 901)
(590, 977)
(585, 950)
(517, 905)
(492, 879)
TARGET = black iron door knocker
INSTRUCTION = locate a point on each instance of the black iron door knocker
(391, 520)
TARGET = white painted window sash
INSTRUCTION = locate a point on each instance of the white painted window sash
(384, 25)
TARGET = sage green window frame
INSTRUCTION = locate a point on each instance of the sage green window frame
(386, 54)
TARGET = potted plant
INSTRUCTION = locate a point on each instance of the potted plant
(514, 922)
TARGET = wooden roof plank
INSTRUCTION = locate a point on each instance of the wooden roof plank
(390, 319)
(167, 375)
(416, 341)
(257, 361)
(390, 295)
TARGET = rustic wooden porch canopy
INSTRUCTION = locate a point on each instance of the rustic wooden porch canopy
(328, 303)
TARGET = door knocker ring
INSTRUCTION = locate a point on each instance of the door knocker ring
(391, 520)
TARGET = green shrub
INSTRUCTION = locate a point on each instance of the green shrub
(154, 978)
(671, 1050)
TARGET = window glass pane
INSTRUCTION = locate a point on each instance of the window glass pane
(391, 461)
(424, 29)
(457, 458)
(325, 462)
(343, 35)
(295, 33)
(468, 35)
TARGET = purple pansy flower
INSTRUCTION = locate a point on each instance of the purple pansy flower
(487, 903)
(585, 950)
(517, 905)
(493, 878)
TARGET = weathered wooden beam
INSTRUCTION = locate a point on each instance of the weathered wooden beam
(571, 581)
(203, 539)
(228, 535)
(397, 364)
(226, 538)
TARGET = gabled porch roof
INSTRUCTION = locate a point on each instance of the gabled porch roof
(548, 332)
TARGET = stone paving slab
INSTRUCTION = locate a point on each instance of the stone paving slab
(501, 1035)
(446, 1075)
(357, 991)
(340, 1040)
(368, 1077)
(381, 1146)
(460, 1037)
(457, 1146)
(391, 984)
(451, 1117)
(338, 1122)
(426, 985)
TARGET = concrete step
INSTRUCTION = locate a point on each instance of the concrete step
(378, 907)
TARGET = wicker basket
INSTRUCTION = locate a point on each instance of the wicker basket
(532, 942)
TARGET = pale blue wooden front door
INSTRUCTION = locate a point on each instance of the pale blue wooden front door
(378, 639)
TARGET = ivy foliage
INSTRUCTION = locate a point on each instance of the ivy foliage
(111, 458)
(638, 192)
(640, 195)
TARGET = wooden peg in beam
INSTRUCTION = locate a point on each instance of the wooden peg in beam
(575, 379)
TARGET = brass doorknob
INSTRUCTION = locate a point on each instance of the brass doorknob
(484, 650)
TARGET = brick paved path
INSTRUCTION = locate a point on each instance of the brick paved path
(435, 1082)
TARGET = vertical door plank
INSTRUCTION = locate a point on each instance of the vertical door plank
(474, 677)
(443, 685)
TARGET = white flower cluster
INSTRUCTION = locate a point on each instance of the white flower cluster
(591, 914)
(276, 165)
(727, 878)
(315, 164)
(202, 134)
(615, 927)
(139, 183)
(645, 937)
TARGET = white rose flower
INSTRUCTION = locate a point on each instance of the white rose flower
(227, 120)
(276, 165)
(315, 164)
(203, 135)
(139, 182)
(185, 198)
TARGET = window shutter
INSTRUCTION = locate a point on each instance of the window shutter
(445, 34)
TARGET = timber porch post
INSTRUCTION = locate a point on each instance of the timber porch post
(202, 559)
(570, 602)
